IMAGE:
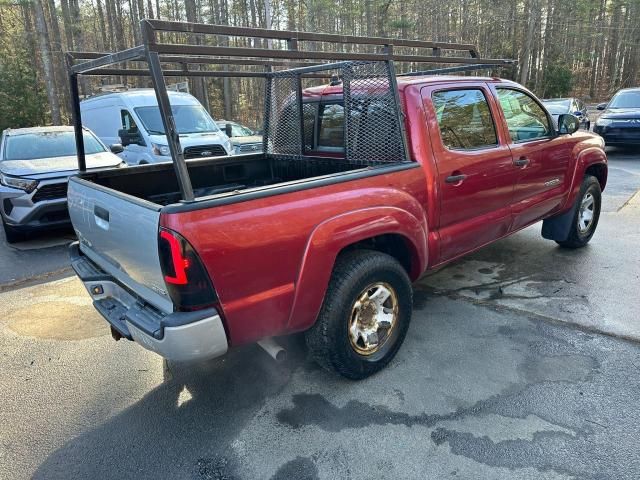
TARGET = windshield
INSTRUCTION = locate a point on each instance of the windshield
(189, 119)
(557, 107)
(238, 130)
(32, 146)
(629, 99)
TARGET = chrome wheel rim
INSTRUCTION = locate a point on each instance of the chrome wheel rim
(373, 316)
(586, 213)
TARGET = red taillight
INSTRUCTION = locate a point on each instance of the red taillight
(180, 264)
(187, 281)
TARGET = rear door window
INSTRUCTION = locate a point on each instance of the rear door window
(331, 127)
(464, 119)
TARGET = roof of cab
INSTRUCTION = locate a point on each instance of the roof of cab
(410, 80)
(144, 97)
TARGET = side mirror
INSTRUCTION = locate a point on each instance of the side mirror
(601, 106)
(127, 138)
(568, 124)
(578, 113)
(228, 129)
(116, 148)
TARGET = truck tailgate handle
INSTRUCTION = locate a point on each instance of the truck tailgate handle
(521, 162)
(101, 216)
(458, 178)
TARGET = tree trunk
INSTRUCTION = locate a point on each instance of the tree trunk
(48, 73)
(528, 43)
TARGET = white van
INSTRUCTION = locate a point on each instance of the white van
(132, 118)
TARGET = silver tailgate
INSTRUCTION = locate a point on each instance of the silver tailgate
(120, 234)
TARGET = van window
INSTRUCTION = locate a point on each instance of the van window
(128, 123)
(188, 118)
(464, 119)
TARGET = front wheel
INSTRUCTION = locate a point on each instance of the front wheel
(365, 315)
(587, 214)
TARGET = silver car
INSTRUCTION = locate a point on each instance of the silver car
(35, 165)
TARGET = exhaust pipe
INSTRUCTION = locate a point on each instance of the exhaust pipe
(275, 350)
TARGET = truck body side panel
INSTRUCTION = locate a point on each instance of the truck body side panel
(254, 251)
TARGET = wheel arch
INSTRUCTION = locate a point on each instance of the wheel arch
(389, 230)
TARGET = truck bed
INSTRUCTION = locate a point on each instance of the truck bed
(157, 183)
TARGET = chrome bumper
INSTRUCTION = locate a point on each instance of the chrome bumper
(180, 336)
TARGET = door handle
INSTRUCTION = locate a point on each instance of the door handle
(101, 213)
(101, 217)
(521, 162)
(455, 178)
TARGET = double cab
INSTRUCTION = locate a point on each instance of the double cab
(273, 245)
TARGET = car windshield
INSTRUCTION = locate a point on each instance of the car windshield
(32, 146)
(556, 107)
(238, 130)
(629, 99)
(189, 119)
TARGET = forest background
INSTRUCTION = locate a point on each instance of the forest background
(583, 48)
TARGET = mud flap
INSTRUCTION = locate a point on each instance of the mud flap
(557, 228)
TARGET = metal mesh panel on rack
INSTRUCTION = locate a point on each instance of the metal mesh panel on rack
(356, 119)
(372, 128)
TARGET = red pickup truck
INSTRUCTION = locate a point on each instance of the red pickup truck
(325, 241)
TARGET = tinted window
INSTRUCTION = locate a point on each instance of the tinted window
(464, 119)
(526, 119)
(189, 119)
(128, 123)
(331, 131)
(32, 146)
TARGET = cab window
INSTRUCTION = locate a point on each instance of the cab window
(464, 119)
(525, 118)
(331, 127)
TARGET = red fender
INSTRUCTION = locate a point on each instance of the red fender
(333, 235)
(587, 157)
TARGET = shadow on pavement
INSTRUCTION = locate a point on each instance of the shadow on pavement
(184, 425)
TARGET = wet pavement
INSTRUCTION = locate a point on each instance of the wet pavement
(514, 367)
(475, 392)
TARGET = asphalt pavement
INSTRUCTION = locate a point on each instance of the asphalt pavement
(517, 365)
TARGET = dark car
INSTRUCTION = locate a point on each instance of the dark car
(574, 106)
(619, 123)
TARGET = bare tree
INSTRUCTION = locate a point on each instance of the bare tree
(45, 53)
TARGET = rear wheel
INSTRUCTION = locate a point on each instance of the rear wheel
(587, 214)
(365, 315)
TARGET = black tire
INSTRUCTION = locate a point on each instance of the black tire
(13, 235)
(578, 237)
(329, 339)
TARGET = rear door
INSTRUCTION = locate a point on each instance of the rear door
(541, 157)
(476, 176)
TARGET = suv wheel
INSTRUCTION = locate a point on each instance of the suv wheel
(365, 314)
(587, 214)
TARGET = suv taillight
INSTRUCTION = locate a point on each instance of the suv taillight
(185, 277)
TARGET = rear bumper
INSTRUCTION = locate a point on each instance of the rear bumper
(181, 336)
